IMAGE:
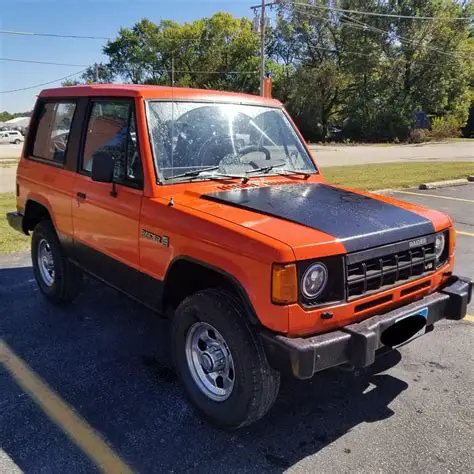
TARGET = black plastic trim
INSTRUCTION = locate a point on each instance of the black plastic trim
(334, 291)
(358, 343)
(138, 285)
(15, 220)
(251, 313)
(133, 283)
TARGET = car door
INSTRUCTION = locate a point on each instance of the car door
(106, 216)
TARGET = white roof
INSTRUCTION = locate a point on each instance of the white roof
(18, 121)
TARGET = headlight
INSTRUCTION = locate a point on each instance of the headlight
(314, 280)
(440, 243)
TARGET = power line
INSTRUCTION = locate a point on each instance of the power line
(42, 62)
(353, 22)
(159, 70)
(44, 83)
(356, 53)
(52, 35)
(357, 24)
(191, 71)
(389, 15)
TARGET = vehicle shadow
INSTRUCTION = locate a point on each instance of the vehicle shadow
(107, 357)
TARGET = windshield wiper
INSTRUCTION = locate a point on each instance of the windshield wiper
(265, 169)
(306, 174)
(194, 173)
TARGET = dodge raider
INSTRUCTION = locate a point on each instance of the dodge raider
(209, 208)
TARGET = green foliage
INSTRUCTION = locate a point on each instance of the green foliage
(5, 116)
(386, 69)
(366, 74)
(70, 83)
(220, 52)
(445, 127)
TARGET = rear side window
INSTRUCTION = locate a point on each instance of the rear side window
(112, 129)
(52, 132)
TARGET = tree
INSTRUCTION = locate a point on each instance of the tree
(95, 74)
(5, 116)
(372, 73)
(219, 52)
(366, 74)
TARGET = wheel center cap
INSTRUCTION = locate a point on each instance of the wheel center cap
(207, 362)
(213, 359)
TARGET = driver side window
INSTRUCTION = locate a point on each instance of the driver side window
(112, 129)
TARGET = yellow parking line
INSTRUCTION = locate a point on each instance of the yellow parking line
(470, 318)
(460, 232)
(434, 196)
(78, 430)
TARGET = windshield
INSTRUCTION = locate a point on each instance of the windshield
(203, 140)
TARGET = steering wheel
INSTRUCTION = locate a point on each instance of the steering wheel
(253, 148)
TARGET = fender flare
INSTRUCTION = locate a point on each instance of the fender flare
(241, 292)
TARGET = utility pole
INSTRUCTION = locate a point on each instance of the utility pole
(263, 24)
(262, 47)
(96, 73)
(172, 71)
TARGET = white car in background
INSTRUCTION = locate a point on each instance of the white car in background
(12, 136)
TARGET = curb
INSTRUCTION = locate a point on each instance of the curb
(444, 184)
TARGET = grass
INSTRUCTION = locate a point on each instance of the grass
(396, 175)
(374, 176)
(10, 240)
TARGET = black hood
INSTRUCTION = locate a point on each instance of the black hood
(358, 221)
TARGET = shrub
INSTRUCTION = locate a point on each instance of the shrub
(445, 127)
(419, 135)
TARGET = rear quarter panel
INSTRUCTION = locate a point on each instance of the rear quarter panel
(50, 186)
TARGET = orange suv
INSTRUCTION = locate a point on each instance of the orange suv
(209, 208)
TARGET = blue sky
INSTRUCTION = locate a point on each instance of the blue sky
(78, 17)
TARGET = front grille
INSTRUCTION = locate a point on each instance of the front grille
(385, 267)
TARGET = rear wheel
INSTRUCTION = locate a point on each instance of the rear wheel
(58, 279)
(220, 361)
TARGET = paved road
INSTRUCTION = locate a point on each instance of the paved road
(325, 156)
(7, 179)
(359, 155)
(107, 358)
(10, 150)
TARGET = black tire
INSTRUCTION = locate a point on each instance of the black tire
(67, 277)
(17, 142)
(256, 384)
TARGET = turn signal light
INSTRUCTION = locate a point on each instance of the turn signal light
(284, 284)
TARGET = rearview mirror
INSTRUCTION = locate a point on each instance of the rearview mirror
(103, 166)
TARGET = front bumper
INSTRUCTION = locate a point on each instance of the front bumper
(357, 343)
(15, 219)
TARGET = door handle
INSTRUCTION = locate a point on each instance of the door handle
(81, 196)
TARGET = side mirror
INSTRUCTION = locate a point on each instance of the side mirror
(103, 166)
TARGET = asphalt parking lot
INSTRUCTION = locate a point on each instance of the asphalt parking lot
(112, 393)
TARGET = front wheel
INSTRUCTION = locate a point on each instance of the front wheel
(17, 142)
(220, 361)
